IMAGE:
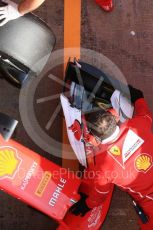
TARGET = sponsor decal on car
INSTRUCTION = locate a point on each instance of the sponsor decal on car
(43, 184)
(9, 162)
(94, 216)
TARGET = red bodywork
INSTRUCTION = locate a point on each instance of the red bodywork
(36, 180)
(46, 186)
(93, 220)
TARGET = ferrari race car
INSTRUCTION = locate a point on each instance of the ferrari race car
(25, 174)
(44, 185)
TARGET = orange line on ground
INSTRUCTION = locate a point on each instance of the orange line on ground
(72, 38)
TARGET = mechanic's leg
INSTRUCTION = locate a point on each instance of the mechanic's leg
(106, 5)
(148, 209)
(148, 226)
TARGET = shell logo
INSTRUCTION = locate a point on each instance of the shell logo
(9, 162)
(143, 162)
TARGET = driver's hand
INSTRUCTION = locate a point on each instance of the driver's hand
(8, 12)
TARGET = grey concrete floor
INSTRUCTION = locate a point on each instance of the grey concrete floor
(109, 34)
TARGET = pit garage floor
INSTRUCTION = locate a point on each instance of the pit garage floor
(125, 37)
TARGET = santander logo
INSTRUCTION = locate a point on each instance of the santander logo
(94, 216)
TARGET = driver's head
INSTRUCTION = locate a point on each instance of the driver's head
(101, 124)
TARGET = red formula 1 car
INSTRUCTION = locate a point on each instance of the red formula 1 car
(41, 183)
(25, 174)
(44, 185)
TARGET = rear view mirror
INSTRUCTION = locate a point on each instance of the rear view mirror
(7, 126)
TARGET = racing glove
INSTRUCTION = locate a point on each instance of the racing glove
(80, 208)
(8, 12)
(135, 94)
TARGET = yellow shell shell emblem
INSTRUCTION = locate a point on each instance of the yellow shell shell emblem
(115, 150)
(8, 162)
(143, 162)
